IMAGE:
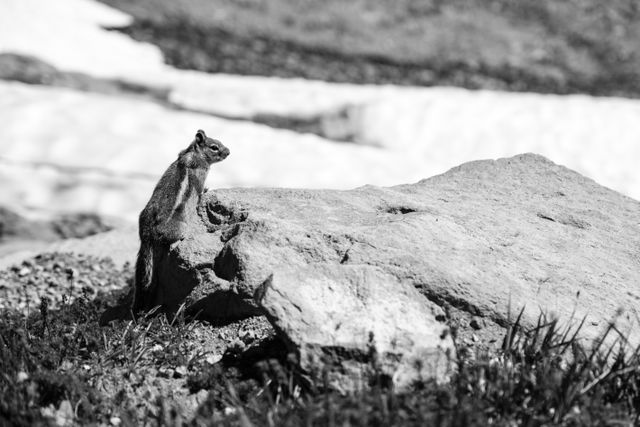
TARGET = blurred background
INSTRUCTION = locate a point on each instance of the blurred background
(98, 97)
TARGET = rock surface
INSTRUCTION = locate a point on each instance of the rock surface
(356, 321)
(488, 238)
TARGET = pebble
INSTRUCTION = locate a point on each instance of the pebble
(180, 371)
(201, 396)
(476, 324)
(237, 346)
(64, 414)
(212, 359)
(58, 276)
(247, 336)
(165, 372)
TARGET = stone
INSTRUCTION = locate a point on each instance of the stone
(180, 372)
(475, 324)
(355, 323)
(488, 237)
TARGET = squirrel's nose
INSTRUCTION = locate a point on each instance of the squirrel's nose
(225, 152)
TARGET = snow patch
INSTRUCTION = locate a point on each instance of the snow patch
(77, 151)
(69, 35)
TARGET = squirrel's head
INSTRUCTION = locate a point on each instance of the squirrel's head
(212, 149)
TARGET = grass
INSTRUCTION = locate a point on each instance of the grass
(541, 377)
(565, 46)
(150, 372)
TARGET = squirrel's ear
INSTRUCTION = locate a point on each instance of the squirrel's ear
(200, 136)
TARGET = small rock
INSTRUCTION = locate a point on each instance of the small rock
(212, 359)
(71, 272)
(475, 324)
(23, 271)
(22, 376)
(236, 346)
(201, 396)
(180, 371)
(88, 290)
(465, 352)
(247, 336)
(166, 372)
(64, 415)
(48, 411)
(115, 421)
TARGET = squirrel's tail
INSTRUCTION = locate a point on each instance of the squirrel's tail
(143, 276)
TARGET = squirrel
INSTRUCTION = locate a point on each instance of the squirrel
(163, 221)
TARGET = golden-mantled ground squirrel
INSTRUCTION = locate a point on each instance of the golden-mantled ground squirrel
(163, 221)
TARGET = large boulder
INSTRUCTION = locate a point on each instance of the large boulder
(488, 238)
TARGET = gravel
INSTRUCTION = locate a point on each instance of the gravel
(59, 277)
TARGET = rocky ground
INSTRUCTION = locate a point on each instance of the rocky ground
(77, 372)
(586, 47)
(31, 70)
(65, 226)
(58, 278)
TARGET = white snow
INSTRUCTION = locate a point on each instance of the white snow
(598, 137)
(65, 150)
(103, 147)
(69, 35)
